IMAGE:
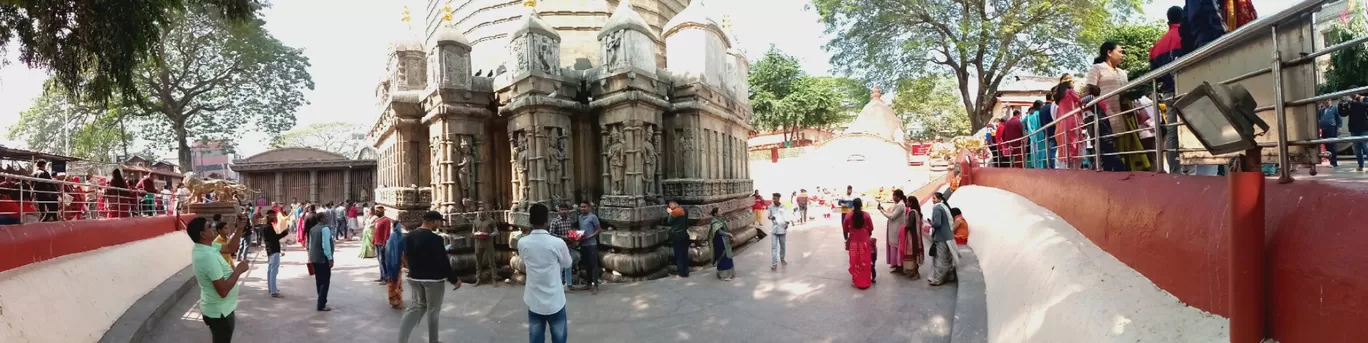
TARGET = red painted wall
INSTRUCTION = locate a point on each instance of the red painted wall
(21, 245)
(1174, 230)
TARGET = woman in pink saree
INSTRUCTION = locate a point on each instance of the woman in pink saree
(857, 228)
(1066, 134)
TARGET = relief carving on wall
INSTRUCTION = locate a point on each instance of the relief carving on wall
(546, 56)
(454, 66)
(435, 148)
(685, 146)
(520, 167)
(617, 161)
(612, 48)
(519, 48)
(555, 166)
(415, 71)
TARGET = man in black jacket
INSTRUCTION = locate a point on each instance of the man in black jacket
(428, 267)
(272, 242)
(1357, 112)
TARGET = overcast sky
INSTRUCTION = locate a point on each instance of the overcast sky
(346, 40)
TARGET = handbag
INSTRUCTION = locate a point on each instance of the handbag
(310, 265)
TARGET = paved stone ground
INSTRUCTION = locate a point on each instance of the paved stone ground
(811, 300)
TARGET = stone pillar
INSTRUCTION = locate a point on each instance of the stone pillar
(279, 186)
(346, 184)
(313, 185)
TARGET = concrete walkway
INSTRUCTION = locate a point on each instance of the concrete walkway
(811, 300)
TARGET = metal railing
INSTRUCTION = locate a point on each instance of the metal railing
(25, 199)
(1082, 147)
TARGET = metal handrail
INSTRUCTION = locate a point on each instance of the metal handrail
(24, 203)
(1252, 30)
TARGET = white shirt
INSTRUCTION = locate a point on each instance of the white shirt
(780, 222)
(1145, 102)
(543, 257)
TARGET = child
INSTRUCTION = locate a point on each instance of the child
(873, 260)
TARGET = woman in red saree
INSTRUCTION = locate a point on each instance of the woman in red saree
(1066, 134)
(857, 227)
(913, 249)
(77, 207)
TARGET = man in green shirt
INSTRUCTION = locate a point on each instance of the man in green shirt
(217, 282)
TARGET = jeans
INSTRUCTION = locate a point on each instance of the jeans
(272, 268)
(322, 279)
(590, 262)
(243, 244)
(1359, 148)
(222, 328)
(567, 276)
(1054, 151)
(681, 253)
(1171, 143)
(778, 247)
(380, 257)
(427, 300)
(1330, 132)
(537, 323)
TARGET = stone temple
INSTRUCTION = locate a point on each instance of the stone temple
(582, 104)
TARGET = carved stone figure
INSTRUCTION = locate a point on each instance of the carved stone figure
(554, 168)
(464, 162)
(546, 55)
(648, 159)
(453, 67)
(617, 161)
(520, 162)
(435, 147)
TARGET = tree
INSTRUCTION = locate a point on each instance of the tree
(1349, 66)
(93, 47)
(212, 78)
(1135, 41)
(931, 107)
(978, 43)
(343, 138)
(55, 123)
(787, 99)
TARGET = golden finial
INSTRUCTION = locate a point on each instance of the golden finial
(530, 3)
(446, 12)
(406, 14)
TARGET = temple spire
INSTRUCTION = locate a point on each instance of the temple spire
(875, 94)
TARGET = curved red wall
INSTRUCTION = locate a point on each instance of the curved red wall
(1175, 231)
(30, 243)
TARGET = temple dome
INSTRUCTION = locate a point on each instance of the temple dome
(447, 32)
(696, 14)
(531, 22)
(878, 119)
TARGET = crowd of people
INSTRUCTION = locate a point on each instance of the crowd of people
(47, 196)
(1118, 132)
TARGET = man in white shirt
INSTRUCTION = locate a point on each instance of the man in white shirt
(778, 217)
(544, 257)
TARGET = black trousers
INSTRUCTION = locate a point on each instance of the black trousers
(222, 328)
(681, 253)
(322, 278)
(590, 262)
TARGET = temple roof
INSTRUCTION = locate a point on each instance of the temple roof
(696, 14)
(298, 158)
(626, 17)
(531, 22)
(447, 32)
(877, 118)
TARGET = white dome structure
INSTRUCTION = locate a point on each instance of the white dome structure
(878, 119)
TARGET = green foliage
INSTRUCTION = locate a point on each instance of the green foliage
(787, 99)
(931, 108)
(1135, 41)
(1348, 67)
(54, 123)
(978, 43)
(92, 48)
(343, 138)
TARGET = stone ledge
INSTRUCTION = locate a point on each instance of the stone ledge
(136, 322)
(970, 324)
(705, 190)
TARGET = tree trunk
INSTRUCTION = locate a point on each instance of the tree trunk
(183, 156)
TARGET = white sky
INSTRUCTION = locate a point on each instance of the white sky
(346, 40)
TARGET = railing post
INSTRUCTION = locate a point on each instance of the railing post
(1279, 110)
(1247, 287)
(1157, 126)
(1097, 138)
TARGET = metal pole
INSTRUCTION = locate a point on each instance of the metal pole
(1097, 139)
(1158, 138)
(1247, 287)
(1279, 106)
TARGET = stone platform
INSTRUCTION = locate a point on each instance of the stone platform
(810, 300)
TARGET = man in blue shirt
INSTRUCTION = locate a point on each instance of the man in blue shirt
(1330, 123)
(588, 245)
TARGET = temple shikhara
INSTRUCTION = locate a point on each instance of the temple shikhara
(492, 105)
